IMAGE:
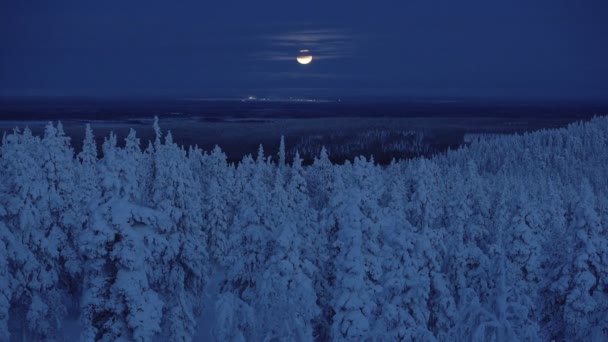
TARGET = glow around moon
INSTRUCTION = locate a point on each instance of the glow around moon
(305, 57)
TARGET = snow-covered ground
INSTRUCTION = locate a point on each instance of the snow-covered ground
(206, 321)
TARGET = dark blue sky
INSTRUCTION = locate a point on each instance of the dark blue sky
(481, 48)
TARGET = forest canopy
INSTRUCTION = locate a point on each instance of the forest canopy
(503, 239)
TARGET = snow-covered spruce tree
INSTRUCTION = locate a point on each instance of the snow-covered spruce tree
(216, 213)
(67, 212)
(216, 180)
(88, 178)
(477, 198)
(17, 268)
(18, 169)
(138, 168)
(176, 193)
(504, 307)
(119, 245)
(315, 241)
(423, 206)
(37, 208)
(457, 212)
(469, 270)
(320, 180)
(517, 252)
(252, 232)
(524, 239)
(403, 313)
(249, 248)
(265, 167)
(281, 154)
(16, 254)
(300, 206)
(285, 300)
(584, 278)
(425, 210)
(352, 300)
(558, 247)
(368, 178)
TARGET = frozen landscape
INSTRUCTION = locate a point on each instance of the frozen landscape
(502, 239)
(269, 171)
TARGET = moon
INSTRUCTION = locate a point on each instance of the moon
(305, 57)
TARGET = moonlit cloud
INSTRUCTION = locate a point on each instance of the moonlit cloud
(311, 36)
(298, 75)
(323, 44)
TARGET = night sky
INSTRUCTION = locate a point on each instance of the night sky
(550, 49)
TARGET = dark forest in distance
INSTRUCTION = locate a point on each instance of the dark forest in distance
(385, 127)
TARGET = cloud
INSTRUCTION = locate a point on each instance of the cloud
(323, 44)
(300, 75)
(311, 36)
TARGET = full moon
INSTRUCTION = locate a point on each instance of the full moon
(305, 57)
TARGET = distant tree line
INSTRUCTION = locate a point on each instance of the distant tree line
(383, 144)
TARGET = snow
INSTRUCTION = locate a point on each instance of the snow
(505, 239)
